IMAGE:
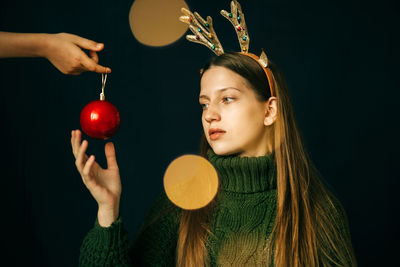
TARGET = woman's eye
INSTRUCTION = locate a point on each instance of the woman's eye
(228, 99)
(204, 106)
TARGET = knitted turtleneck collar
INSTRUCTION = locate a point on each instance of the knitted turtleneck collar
(244, 174)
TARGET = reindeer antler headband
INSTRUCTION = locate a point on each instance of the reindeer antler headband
(204, 33)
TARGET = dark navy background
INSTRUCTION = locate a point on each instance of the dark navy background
(340, 59)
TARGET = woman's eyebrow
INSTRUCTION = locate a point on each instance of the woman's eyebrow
(219, 91)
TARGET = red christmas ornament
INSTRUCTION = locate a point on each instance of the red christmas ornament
(100, 119)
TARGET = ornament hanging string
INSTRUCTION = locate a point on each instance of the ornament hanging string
(100, 119)
(103, 84)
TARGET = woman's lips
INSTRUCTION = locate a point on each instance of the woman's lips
(215, 133)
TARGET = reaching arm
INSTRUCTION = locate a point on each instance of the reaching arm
(63, 50)
(107, 243)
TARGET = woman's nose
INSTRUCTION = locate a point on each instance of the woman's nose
(211, 114)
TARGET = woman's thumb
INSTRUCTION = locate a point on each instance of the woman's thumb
(110, 155)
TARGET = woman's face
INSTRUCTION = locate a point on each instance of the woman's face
(233, 118)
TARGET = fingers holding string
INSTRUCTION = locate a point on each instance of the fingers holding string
(94, 56)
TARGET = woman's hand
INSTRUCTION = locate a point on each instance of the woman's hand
(103, 184)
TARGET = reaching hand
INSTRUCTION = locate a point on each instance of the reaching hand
(64, 51)
(103, 184)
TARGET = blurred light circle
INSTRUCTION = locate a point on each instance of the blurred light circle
(156, 22)
(191, 182)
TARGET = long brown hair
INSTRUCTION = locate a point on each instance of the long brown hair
(310, 226)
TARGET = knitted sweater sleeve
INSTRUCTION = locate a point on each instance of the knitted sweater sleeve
(105, 246)
(154, 244)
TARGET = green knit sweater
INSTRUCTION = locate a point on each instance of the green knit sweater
(241, 223)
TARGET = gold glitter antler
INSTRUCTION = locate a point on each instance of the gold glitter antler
(236, 17)
(203, 31)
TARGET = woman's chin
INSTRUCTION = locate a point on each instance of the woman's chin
(223, 151)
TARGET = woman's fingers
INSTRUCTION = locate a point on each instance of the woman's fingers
(87, 168)
(73, 137)
(81, 157)
(72, 141)
(75, 141)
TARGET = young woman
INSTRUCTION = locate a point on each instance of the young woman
(271, 208)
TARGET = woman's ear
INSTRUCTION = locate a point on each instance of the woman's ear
(271, 110)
